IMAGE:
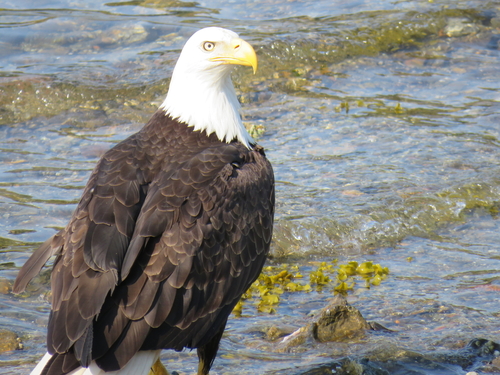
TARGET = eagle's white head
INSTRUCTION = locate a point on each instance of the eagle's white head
(201, 92)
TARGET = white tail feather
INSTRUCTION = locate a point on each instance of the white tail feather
(140, 364)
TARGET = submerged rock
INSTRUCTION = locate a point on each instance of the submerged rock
(5, 286)
(9, 341)
(460, 27)
(477, 357)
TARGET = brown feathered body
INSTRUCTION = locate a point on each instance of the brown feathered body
(172, 228)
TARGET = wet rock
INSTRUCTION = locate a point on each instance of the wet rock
(9, 341)
(274, 332)
(345, 366)
(494, 42)
(336, 322)
(493, 367)
(5, 286)
(362, 367)
(299, 338)
(460, 27)
(123, 34)
(390, 359)
(339, 320)
(495, 22)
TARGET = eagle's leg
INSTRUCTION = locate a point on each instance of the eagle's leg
(207, 353)
(158, 369)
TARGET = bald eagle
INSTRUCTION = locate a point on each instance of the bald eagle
(172, 228)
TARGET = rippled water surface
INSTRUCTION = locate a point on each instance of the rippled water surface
(381, 119)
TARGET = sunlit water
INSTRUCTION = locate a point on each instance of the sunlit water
(381, 120)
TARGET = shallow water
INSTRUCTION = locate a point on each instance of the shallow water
(381, 121)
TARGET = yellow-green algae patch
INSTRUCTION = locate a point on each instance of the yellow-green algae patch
(274, 281)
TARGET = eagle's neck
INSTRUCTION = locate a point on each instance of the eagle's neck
(207, 102)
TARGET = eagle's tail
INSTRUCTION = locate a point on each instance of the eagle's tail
(142, 363)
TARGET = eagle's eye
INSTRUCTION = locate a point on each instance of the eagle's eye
(208, 46)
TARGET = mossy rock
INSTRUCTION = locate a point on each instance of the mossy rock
(339, 322)
(9, 341)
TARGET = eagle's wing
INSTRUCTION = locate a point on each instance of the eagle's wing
(90, 250)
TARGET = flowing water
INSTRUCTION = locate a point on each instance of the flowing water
(381, 119)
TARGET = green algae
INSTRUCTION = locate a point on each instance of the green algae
(274, 281)
(24, 99)
(8, 243)
(28, 200)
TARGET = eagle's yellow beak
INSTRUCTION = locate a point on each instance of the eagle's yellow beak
(238, 52)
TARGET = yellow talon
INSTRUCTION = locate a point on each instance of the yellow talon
(158, 369)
